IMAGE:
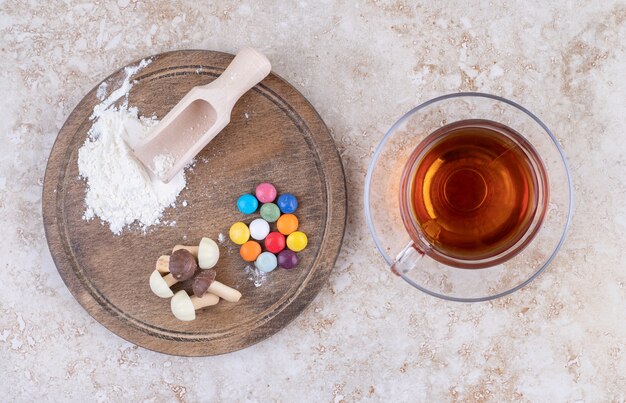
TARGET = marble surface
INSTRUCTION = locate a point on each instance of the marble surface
(367, 336)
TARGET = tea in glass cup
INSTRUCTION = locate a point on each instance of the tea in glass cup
(471, 191)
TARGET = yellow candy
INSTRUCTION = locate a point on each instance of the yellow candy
(239, 233)
(296, 241)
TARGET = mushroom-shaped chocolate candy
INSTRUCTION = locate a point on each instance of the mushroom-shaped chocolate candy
(207, 252)
(184, 307)
(161, 285)
(205, 281)
(182, 266)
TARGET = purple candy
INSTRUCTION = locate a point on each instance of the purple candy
(287, 259)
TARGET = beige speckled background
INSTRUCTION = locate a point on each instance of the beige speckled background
(367, 336)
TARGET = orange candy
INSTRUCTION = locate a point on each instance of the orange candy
(250, 250)
(287, 223)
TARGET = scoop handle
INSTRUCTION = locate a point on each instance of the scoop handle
(246, 70)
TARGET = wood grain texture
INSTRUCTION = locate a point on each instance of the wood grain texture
(275, 135)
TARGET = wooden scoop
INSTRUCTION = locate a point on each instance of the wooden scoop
(199, 116)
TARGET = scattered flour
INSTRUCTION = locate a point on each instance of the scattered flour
(120, 191)
(122, 91)
(102, 91)
(255, 275)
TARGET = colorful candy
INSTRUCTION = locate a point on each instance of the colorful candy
(287, 203)
(259, 229)
(296, 241)
(275, 242)
(280, 246)
(247, 203)
(287, 259)
(250, 250)
(239, 233)
(266, 262)
(270, 212)
(265, 192)
(287, 223)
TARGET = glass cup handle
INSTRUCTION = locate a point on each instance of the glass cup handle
(407, 259)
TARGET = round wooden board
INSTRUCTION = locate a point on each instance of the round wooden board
(275, 135)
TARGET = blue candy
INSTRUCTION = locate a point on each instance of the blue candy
(287, 203)
(247, 204)
(266, 262)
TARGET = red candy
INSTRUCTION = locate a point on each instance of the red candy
(275, 242)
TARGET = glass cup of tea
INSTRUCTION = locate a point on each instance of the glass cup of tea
(468, 197)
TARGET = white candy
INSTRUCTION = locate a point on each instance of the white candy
(259, 229)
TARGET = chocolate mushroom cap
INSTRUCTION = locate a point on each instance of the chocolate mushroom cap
(182, 306)
(203, 281)
(159, 286)
(182, 264)
(208, 253)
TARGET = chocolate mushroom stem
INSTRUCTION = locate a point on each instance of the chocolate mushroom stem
(192, 249)
(225, 292)
(205, 282)
(204, 301)
(184, 307)
(163, 264)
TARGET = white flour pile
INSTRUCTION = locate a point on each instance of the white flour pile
(120, 191)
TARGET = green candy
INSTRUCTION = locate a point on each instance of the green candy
(270, 212)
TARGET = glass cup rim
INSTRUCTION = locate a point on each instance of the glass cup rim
(389, 134)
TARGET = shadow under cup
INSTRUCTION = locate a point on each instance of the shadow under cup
(530, 212)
